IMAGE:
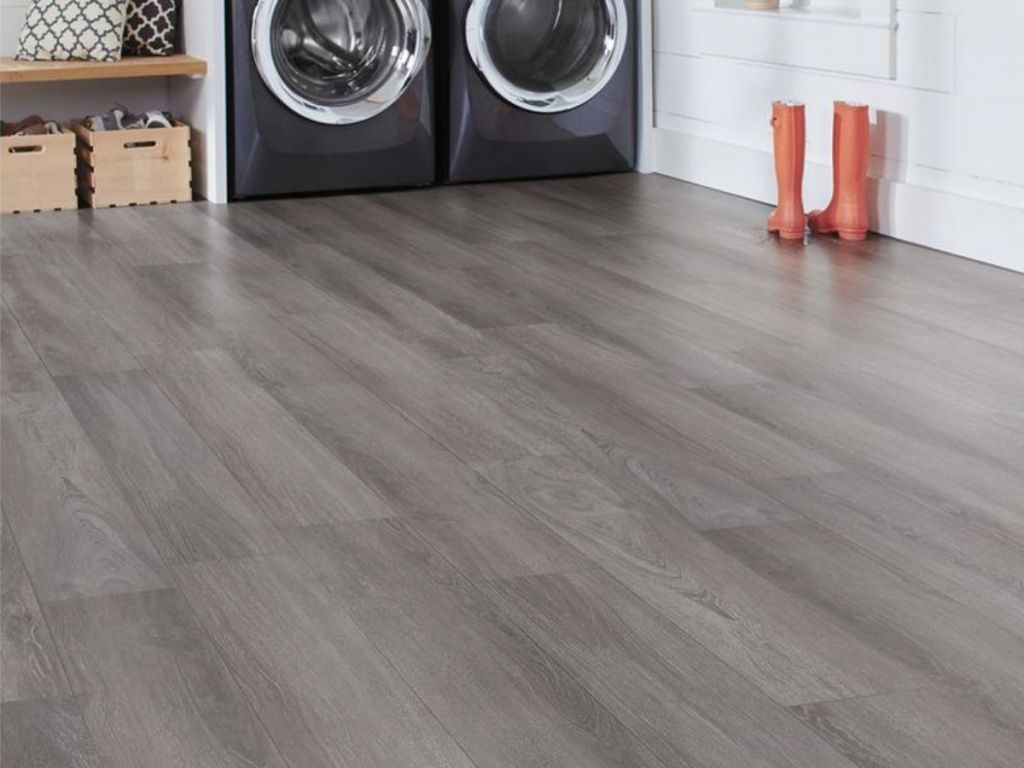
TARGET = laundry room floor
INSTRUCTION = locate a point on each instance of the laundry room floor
(587, 472)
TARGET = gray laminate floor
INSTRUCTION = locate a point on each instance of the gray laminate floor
(584, 473)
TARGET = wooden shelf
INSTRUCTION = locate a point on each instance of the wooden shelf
(12, 71)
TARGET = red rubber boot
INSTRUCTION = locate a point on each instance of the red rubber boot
(790, 128)
(847, 214)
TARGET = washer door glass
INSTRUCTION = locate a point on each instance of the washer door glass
(547, 55)
(339, 61)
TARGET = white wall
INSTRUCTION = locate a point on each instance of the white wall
(199, 102)
(945, 79)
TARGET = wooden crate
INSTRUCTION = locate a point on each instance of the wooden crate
(139, 167)
(37, 173)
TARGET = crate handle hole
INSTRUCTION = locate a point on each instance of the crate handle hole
(139, 144)
(27, 149)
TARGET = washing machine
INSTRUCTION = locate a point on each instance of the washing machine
(330, 95)
(538, 88)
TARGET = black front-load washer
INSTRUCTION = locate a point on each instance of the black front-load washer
(330, 95)
(539, 88)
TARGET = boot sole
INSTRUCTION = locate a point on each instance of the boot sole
(790, 234)
(854, 235)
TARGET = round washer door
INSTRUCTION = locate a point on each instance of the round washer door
(339, 61)
(547, 55)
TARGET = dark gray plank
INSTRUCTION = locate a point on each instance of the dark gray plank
(917, 729)
(67, 334)
(46, 733)
(190, 505)
(504, 701)
(789, 650)
(76, 534)
(447, 503)
(327, 697)
(31, 668)
(683, 702)
(292, 478)
(154, 691)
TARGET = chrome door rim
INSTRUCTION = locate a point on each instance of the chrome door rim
(411, 60)
(550, 101)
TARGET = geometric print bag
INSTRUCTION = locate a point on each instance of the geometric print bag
(151, 28)
(62, 30)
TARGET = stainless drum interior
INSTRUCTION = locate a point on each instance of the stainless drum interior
(547, 55)
(340, 61)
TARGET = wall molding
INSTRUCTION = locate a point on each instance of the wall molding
(981, 230)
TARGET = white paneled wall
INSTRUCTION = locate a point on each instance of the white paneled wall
(947, 108)
(201, 102)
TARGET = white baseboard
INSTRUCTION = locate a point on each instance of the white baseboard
(976, 229)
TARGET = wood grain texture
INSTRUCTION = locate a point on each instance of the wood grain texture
(588, 472)
(504, 701)
(327, 696)
(683, 702)
(31, 667)
(917, 729)
(154, 691)
(76, 534)
(189, 503)
(292, 478)
(67, 334)
(21, 370)
(792, 652)
(46, 733)
(884, 606)
(447, 503)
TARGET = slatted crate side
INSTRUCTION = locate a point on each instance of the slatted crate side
(137, 167)
(37, 173)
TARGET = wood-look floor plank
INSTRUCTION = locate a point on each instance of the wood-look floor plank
(791, 651)
(76, 534)
(684, 703)
(917, 729)
(188, 502)
(410, 318)
(326, 696)
(504, 701)
(154, 691)
(447, 503)
(291, 477)
(951, 550)
(46, 733)
(881, 604)
(67, 334)
(466, 421)
(31, 668)
(21, 370)
(859, 442)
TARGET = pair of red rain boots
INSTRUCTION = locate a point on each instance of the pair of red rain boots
(847, 214)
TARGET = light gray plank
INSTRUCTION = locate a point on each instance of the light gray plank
(789, 650)
(31, 668)
(76, 534)
(504, 701)
(190, 505)
(21, 370)
(447, 503)
(291, 477)
(46, 733)
(327, 697)
(154, 691)
(683, 702)
(67, 334)
(917, 729)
